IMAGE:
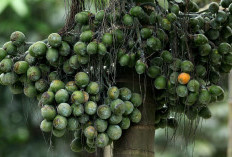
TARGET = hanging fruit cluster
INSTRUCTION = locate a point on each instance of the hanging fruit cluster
(74, 76)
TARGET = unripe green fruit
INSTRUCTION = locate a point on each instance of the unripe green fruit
(136, 116)
(6, 65)
(201, 71)
(102, 140)
(160, 82)
(175, 9)
(205, 49)
(73, 124)
(117, 107)
(71, 87)
(64, 49)
(182, 91)
(140, 67)
(90, 132)
(193, 86)
(53, 76)
(146, 33)
(221, 16)
(52, 55)
(41, 85)
(82, 79)
(56, 85)
(10, 48)
(129, 107)
(204, 97)
(64, 109)
(166, 24)
(125, 94)
(213, 34)
(115, 119)
(104, 112)
(78, 109)
(83, 59)
(73, 62)
(67, 68)
(191, 98)
(124, 60)
(125, 123)
(153, 71)
(119, 36)
(102, 50)
(61, 96)
(127, 20)
(3, 54)
(136, 99)
(20, 67)
(200, 39)
(136, 11)
(224, 48)
(17, 38)
(92, 48)
(33, 73)
(30, 59)
(205, 112)
(9, 78)
(174, 78)
(90, 108)
(80, 48)
(100, 15)
(101, 125)
(93, 88)
(113, 92)
(60, 122)
(114, 132)
(86, 36)
(81, 18)
(58, 133)
(187, 66)
(46, 126)
(77, 145)
(16, 88)
(225, 3)
(47, 97)
(95, 98)
(54, 40)
(167, 56)
(83, 119)
(171, 17)
(215, 90)
(107, 39)
(38, 49)
(78, 97)
(154, 44)
(48, 112)
(30, 91)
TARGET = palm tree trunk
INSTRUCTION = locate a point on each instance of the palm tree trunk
(229, 149)
(138, 141)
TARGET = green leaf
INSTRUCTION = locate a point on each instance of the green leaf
(4, 4)
(19, 7)
(163, 4)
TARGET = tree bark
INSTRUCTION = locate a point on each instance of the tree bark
(229, 149)
(138, 141)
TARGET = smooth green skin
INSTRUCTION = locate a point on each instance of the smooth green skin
(90, 132)
(213, 34)
(146, 33)
(83, 59)
(17, 38)
(53, 76)
(191, 98)
(125, 94)
(82, 79)
(6, 65)
(80, 48)
(41, 85)
(58, 133)
(171, 17)
(64, 49)
(73, 62)
(119, 36)
(107, 39)
(174, 77)
(124, 60)
(102, 140)
(114, 132)
(101, 125)
(167, 56)
(71, 87)
(33, 73)
(215, 90)
(193, 86)
(205, 49)
(205, 112)
(115, 119)
(125, 123)
(221, 16)
(224, 48)
(3, 54)
(48, 112)
(213, 7)
(16, 88)
(64, 109)
(67, 68)
(201, 71)
(135, 116)
(154, 44)
(204, 97)
(73, 124)
(129, 108)
(81, 18)
(52, 55)
(140, 67)
(46, 126)
(83, 119)
(136, 11)
(113, 92)
(60, 122)
(30, 91)
(10, 48)
(38, 49)
(54, 40)
(182, 91)
(100, 15)
(47, 97)
(160, 82)
(56, 85)
(104, 112)
(127, 20)
(175, 9)
(200, 39)
(187, 66)
(78, 97)
(61, 96)
(93, 88)
(90, 108)
(153, 71)
(21, 67)
(30, 59)
(117, 107)
(78, 110)
(136, 99)
(102, 50)
(92, 48)
(166, 24)
(86, 36)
